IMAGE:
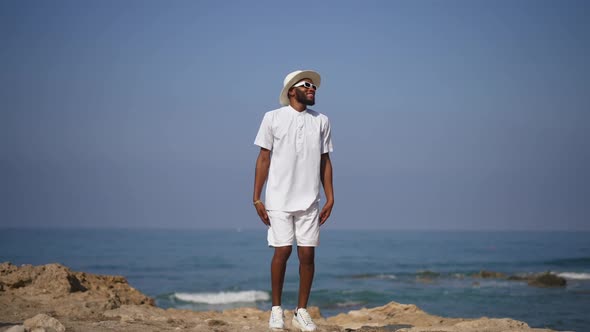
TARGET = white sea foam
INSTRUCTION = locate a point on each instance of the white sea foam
(575, 275)
(224, 297)
(374, 276)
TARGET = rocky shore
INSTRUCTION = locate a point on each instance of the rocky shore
(53, 298)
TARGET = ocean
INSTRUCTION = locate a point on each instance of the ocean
(216, 269)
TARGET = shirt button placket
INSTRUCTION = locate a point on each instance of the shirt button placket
(299, 138)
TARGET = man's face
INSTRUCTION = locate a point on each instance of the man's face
(304, 95)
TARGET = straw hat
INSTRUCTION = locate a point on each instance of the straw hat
(295, 77)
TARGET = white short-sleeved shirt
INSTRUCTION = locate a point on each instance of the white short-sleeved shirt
(296, 141)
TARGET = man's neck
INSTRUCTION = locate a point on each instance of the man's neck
(299, 107)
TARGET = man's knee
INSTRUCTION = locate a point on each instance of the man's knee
(282, 253)
(306, 255)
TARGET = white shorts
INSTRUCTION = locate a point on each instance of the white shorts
(303, 226)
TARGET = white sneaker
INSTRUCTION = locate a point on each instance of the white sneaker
(277, 318)
(302, 320)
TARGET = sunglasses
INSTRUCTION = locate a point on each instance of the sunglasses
(306, 84)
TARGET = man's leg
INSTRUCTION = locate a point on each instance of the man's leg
(306, 271)
(277, 272)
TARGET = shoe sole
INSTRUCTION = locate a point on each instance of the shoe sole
(301, 328)
(276, 328)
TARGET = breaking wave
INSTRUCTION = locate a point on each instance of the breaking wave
(575, 275)
(249, 296)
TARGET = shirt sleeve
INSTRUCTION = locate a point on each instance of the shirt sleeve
(326, 137)
(265, 138)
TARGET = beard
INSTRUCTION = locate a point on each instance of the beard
(301, 97)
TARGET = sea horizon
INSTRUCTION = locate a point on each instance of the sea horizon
(262, 228)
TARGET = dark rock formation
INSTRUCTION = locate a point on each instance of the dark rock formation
(548, 280)
(483, 274)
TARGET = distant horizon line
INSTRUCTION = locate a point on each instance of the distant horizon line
(249, 229)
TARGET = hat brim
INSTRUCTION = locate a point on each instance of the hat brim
(312, 75)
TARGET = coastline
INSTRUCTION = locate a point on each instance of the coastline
(55, 298)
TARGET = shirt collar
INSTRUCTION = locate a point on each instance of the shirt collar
(296, 111)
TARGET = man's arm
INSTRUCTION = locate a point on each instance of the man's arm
(326, 177)
(260, 176)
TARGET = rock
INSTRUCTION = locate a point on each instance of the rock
(500, 324)
(16, 328)
(10, 279)
(409, 318)
(129, 313)
(6, 268)
(56, 290)
(314, 312)
(41, 329)
(480, 325)
(427, 276)
(489, 275)
(114, 288)
(390, 314)
(42, 321)
(54, 278)
(548, 280)
(519, 278)
(215, 322)
(388, 328)
(59, 279)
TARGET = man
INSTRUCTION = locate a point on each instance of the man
(295, 143)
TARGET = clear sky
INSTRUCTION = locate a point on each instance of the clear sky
(445, 114)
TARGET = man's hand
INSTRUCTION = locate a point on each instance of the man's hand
(325, 213)
(261, 210)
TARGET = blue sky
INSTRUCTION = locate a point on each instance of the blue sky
(445, 114)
